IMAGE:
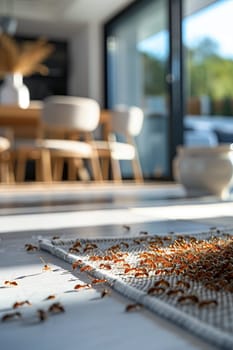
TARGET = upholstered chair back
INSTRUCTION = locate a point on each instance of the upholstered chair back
(127, 120)
(72, 112)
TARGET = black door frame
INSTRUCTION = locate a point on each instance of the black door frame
(175, 79)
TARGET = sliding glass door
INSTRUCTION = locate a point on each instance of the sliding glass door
(208, 65)
(139, 72)
(148, 46)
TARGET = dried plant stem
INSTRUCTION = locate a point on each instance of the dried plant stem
(25, 58)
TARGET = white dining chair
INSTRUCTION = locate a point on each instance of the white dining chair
(127, 122)
(66, 116)
(6, 166)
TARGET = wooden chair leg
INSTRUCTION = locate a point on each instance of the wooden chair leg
(21, 164)
(3, 172)
(46, 170)
(7, 169)
(94, 160)
(38, 170)
(11, 170)
(96, 169)
(116, 170)
(58, 166)
(105, 163)
(81, 170)
(71, 176)
(138, 175)
(137, 170)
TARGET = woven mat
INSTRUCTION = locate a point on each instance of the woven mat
(186, 279)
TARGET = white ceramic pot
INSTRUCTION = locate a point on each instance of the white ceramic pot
(13, 91)
(205, 170)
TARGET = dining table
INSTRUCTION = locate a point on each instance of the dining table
(26, 123)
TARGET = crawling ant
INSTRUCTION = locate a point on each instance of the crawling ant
(133, 307)
(46, 267)
(81, 286)
(11, 283)
(105, 266)
(105, 293)
(77, 244)
(125, 265)
(86, 268)
(114, 248)
(55, 237)
(162, 282)
(21, 303)
(76, 264)
(183, 283)
(204, 303)
(30, 247)
(10, 316)
(177, 291)
(116, 260)
(125, 244)
(107, 258)
(90, 246)
(156, 290)
(50, 297)
(74, 250)
(97, 281)
(95, 258)
(137, 241)
(42, 315)
(141, 274)
(188, 299)
(130, 269)
(56, 308)
(166, 238)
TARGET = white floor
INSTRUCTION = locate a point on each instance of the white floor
(90, 322)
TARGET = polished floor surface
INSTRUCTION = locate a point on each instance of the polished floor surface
(90, 322)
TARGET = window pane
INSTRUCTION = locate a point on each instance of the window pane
(208, 52)
(137, 61)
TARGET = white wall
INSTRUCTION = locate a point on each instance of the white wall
(78, 83)
(96, 74)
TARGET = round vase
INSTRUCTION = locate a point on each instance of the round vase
(14, 92)
(205, 170)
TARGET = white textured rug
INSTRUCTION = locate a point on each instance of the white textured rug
(186, 279)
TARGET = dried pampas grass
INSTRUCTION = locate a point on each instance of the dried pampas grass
(23, 58)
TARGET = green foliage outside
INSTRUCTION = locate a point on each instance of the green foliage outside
(206, 73)
(154, 76)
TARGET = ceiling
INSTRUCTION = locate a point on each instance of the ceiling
(64, 17)
(65, 10)
(65, 14)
